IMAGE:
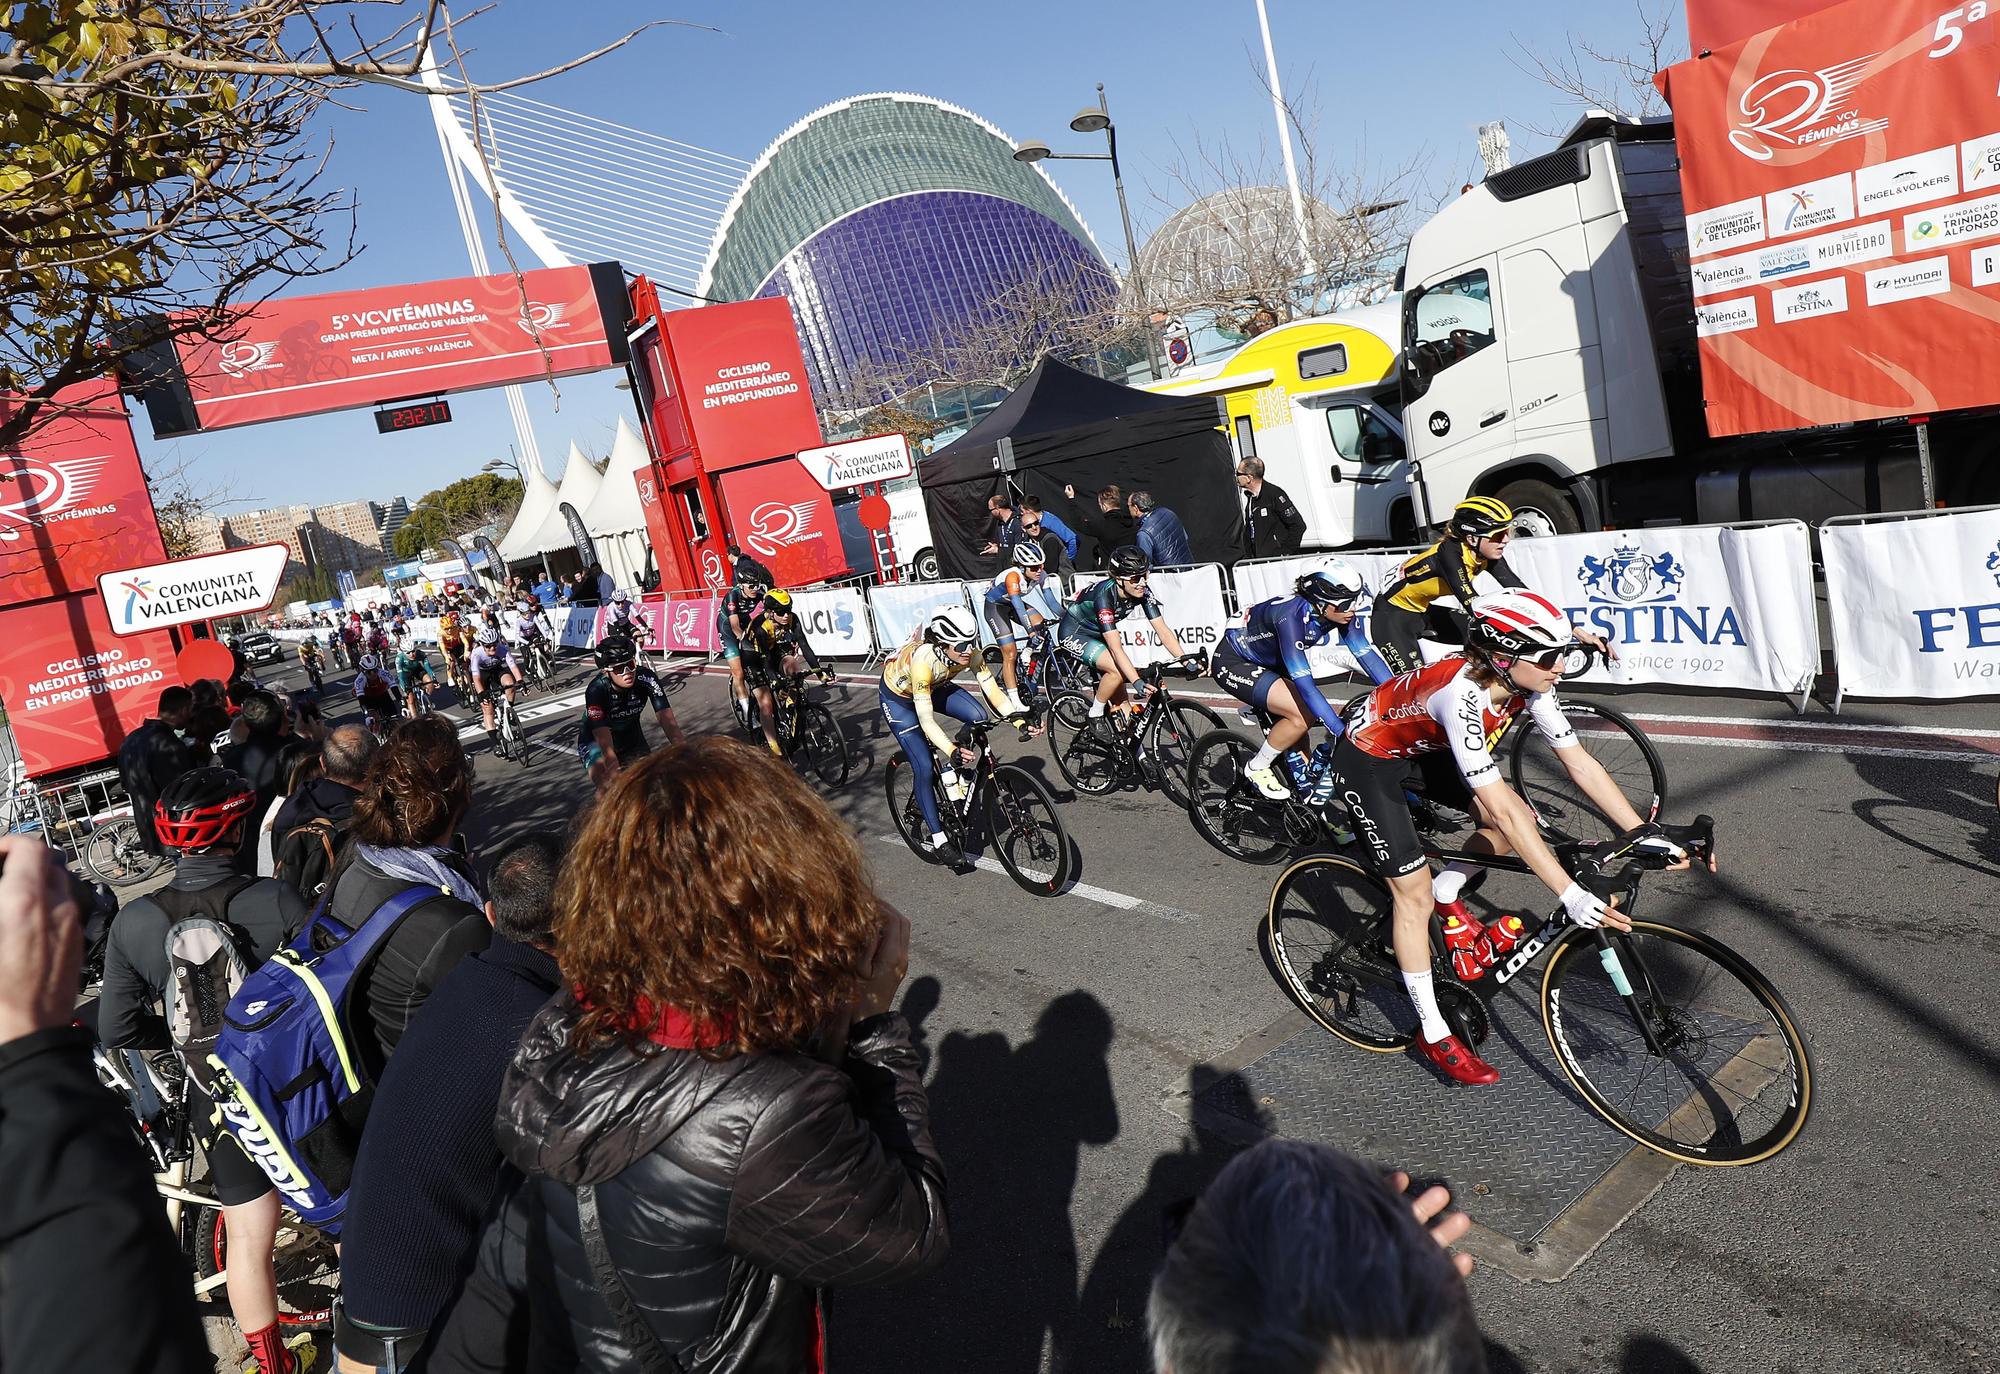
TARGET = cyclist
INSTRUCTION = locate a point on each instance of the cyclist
(493, 667)
(350, 639)
(530, 635)
(1449, 714)
(203, 817)
(740, 606)
(310, 660)
(376, 693)
(377, 641)
(1019, 600)
(1262, 662)
(614, 708)
(451, 641)
(413, 670)
(773, 643)
(1475, 541)
(619, 620)
(1090, 630)
(916, 685)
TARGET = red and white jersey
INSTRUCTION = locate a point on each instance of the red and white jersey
(1440, 707)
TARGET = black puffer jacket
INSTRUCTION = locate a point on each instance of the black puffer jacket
(730, 1192)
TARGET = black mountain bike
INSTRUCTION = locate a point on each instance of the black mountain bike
(807, 731)
(1151, 746)
(1667, 1033)
(1004, 803)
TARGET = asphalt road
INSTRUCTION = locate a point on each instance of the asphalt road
(1855, 874)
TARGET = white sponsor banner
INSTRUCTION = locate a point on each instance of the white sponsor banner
(1194, 607)
(185, 590)
(1933, 628)
(1696, 605)
(576, 630)
(1985, 266)
(901, 610)
(877, 458)
(1810, 205)
(1802, 302)
(1902, 281)
(1979, 161)
(1726, 226)
(1725, 318)
(1964, 222)
(1926, 176)
(423, 629)
(835, 621)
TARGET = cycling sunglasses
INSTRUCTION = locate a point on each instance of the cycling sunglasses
(1571, 658)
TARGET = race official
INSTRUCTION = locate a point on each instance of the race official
(1272, 525)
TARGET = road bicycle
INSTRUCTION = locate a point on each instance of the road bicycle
(1008, 805)
(314, 672)
(1665, 1032)
(508, 740)
(114, 852)
(420, 699)
(536, 666)
(1042, 671)
(807, 731)
(1152, 746)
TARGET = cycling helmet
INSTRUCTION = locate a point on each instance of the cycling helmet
(487, 637)
(752, 585)
(1028, 554)
(1130, 561)
(1518, 624)
(615, 651)
(1334, 585)
(620, 598)
(953, 628)
(201, 807)
(1480, 516)
(369, 663)
(525, 607)
(778, 600)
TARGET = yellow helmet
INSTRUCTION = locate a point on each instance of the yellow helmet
(1478, 517)
(778, 599)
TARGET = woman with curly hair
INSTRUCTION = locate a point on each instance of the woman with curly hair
(724, 1113)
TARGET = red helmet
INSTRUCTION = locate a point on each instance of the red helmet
(201, 807)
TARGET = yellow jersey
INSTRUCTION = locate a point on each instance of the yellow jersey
(919, 668)
(1445, 569)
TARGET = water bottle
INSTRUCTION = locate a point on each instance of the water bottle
(1319, 776)
(1302, 772)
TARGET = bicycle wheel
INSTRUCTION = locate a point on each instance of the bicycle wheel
(823, 746)
(1227, 811)
(1093, 766)
(1733, 1083)
(1174, 733)
(1026, 832)
(308, 1267)
(899, 783)
(1561, 807)
(1326, 939)
(115, 855)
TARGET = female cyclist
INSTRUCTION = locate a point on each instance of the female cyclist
(917, 684)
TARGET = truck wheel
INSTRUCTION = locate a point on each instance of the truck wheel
(925, 566)
(1542, 509)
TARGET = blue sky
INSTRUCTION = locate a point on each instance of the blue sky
(1175, 71)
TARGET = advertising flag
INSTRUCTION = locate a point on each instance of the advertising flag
(73, 501)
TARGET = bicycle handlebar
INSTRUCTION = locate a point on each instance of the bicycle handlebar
(1632, 854)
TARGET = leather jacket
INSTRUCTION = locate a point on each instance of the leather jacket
(730, 1191)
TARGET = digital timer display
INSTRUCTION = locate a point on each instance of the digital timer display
(396, 418)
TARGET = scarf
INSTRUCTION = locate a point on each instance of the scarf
(422, 865)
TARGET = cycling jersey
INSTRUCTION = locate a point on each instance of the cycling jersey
(607, 706)
(490, 663)
(1013, 591)
(767, 641)
(1098, 609)
(373, 686)
(1441, 708)
(412, 668)
(1446, 568)
(1275, 635)
(527, 627)
(919, 669)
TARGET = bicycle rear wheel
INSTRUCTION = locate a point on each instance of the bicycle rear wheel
(1026, 831)
(115, 855)
(1176, 731)
(1226, 810)
(899, 783)
(308, 1267)
(1326, 940)
(1561, 807)
(1093, 766)
(822, 746)
(1733, 1083)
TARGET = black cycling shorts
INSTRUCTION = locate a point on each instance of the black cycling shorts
(1375, 794)
(1396, 631)
(236, 1177)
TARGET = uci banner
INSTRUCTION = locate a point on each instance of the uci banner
(1932, 630)
(835, 621)
(1841, 180)
(1693, 605)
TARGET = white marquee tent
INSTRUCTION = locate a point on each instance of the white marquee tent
(616, 519)
(580, 480)
(536, 503)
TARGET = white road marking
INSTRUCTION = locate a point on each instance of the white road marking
(1090, 892)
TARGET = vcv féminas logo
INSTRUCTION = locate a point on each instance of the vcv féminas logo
(1796, 109)
(1636, 597)
(33, 492)
(241, 357)
(542, 315)
(776, 524)
(687, 621)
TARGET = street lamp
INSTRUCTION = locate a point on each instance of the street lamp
(1093, 119)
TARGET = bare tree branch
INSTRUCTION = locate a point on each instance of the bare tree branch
(1615, 78)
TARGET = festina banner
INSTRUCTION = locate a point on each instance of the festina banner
(877, 458)
(207, 587)
(1932, 629)
(306, 355)
(1695, 605)
(70, 689)
(1841, 178)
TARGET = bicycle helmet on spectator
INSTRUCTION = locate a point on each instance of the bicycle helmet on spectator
(1130, 561)
(487, 637)
(200, 808)
(778, 601)
(369, 663)
(1479, 517)
(1334, 585)
(1028, 554)
(1518, 624)
(952, 628)
(616, 651)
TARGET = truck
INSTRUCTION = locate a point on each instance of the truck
(1549, 360)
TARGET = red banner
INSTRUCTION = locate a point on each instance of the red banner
(72, 689)
(73, 502)
(1842, 185)
(688, 627)
(742, 381)
(785, 520)
(311, 354)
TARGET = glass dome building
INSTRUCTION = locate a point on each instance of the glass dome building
(890, 221)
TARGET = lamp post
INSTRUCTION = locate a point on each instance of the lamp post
(1089, 120)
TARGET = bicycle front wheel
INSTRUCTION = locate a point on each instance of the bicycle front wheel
(1226, 810)
(1027, 832)
(1326, 940)
(115, 855)
(1560, 806)
(1090, 763)
(822, 746)
(1175, 732)
(1731, 1082)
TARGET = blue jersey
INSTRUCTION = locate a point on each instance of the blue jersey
(1275, 634)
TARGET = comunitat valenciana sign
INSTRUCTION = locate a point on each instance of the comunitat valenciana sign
(877, 458)
(209, 587)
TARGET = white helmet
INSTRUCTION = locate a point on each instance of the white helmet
(487, 636)
(1335, 584)
(525, 607)
(620, 598)
(1517, 623)
(1028, 554)
(369, 663)
(953, 627)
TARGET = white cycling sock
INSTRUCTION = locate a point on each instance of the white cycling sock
(1429, 1019)
(1263, 758)
(1096, 708)
(939, 839)
(1451, 881)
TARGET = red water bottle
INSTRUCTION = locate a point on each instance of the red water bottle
(1471, 952)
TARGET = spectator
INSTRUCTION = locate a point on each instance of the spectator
(312, 827)
(546, 591)
(302, 765)
(156, 753)
(1299, 1259)
(429, 1171)
(260, 755)
(583, 590)
(1159, 532)
(82, 1232)
(406, 821)
(723, 1090)
(1109, 526)
(1001, 508)
(1272, 525)
(1031, 511)
(1055, 554)
(210, 720)
(742, 568)
(606, 584)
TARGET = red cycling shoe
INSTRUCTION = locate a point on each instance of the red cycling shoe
(1456, 1061)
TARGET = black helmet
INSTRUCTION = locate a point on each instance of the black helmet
(201, 807)
(616, 650)
(1130, 561)
(1480, 516)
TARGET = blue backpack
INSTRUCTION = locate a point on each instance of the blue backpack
(289, 1084)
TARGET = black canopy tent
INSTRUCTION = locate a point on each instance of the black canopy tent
(1062, 426)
